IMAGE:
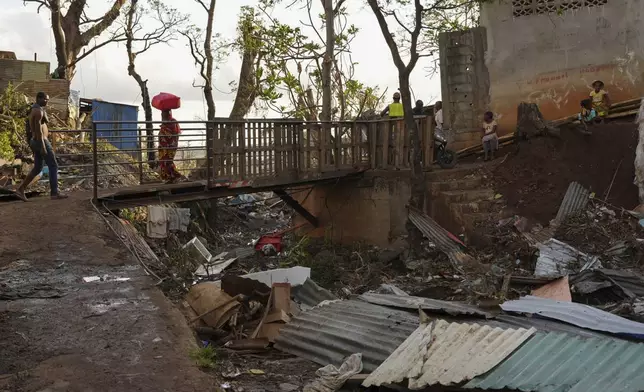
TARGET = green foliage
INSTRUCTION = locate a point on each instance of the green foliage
(13, 112)
(204, 357)
(449, 15)
(287, 64)
(298, 255)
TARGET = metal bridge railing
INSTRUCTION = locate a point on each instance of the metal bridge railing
(223, 151)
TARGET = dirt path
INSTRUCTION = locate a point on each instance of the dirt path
(58, 333)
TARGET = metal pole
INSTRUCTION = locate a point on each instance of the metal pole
(209, 151)
(95, 159)
(140, 157)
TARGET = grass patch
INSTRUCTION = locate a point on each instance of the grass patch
(205, 357)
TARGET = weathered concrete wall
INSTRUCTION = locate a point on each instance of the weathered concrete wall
(553, 58)
(371, 210)
(30, 77)
(464, 85)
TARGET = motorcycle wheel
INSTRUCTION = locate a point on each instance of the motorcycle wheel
(446, 159)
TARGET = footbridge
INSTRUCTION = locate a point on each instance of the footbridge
(223, 157)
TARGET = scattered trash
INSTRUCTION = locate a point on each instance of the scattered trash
(296, 276)
(271, 244)
(558, 259)
(331, 378)
(211, 304)
(257, 344)
(256, 372)
(104, 278)
(198, 251)
(276, 314)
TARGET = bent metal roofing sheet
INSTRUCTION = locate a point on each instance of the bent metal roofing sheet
(577, 314)
(447, 354)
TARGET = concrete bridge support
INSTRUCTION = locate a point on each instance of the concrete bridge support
(371, 209)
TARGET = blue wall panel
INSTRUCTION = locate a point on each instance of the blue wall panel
(121, 136)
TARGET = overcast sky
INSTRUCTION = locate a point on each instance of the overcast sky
(103, 74)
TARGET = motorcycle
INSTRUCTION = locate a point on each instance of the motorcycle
(445, 157)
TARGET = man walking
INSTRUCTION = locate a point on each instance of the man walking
(37, 133)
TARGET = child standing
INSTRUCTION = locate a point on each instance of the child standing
(490, 139)
(600, 99)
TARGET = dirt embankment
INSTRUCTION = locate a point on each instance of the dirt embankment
(536, 174)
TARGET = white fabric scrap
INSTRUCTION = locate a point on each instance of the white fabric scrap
(331, 379)
(157, 222)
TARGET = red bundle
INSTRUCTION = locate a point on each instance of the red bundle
(166, 101)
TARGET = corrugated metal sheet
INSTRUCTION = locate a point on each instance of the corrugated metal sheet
(410, 302)
(438, 236)
(329, 333)
(127, 133)
(588, 281)
(447, 354)
(559, 259)
(551, 362)
(575, 200)
(577, 314)
(311, 294)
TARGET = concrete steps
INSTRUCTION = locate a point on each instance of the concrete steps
(472, 182)
(458, 198)
(466, 195)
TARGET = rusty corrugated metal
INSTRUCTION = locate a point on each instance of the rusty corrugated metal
(442, 353)
(327, 334)
(583, 316)
(437, 235)
(410, 302)
(551, 362)
(575, 200)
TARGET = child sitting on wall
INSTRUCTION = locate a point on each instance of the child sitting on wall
(490, 140)
(587, 115)
(600, 99)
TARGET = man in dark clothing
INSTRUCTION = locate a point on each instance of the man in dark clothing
(419, 109)
(37, 133)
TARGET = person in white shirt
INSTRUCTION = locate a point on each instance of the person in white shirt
(438, 115)
(490, 140)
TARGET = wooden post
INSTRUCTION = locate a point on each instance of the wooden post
(428, 156)
(338, 146)
(242, 151)
(372, 137)
(322, 146)
(386, 130)
(278, 149)
(356, 132)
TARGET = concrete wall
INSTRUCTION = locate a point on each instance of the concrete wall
(30, 77)
(552, 59)
(371, 210)
(464, 85)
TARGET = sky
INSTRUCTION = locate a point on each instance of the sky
(170, 68)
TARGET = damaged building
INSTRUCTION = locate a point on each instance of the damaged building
(546, 52)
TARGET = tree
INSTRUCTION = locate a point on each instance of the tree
(404, 72)
(452, 15)
(282, 67)
(165, 23)
(74, 31)
(202, 53)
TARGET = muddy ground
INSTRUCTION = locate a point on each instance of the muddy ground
(61, 333)
(536, 173)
